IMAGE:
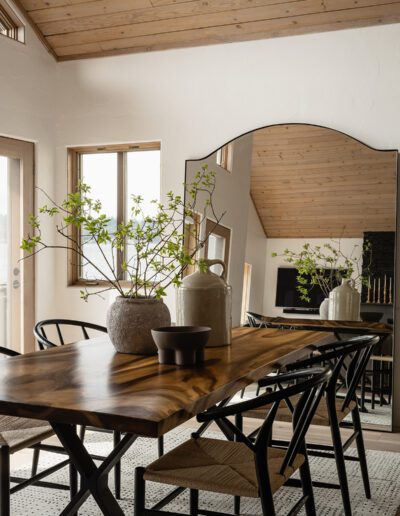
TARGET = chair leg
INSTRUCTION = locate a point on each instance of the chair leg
(35, 461)
(306, 484)
(117, 467)
(361, 452)
(339, 456)
(267, 502)
(236, 505)
(140, 492)
(373, 385)
(160, 443)
(390, 383)
(381, 383)
(242, 392)
(4, 481)
(194, 502)
(362, 396)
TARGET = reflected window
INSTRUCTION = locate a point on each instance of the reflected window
(218, 245)
(114, 174)
(224, 157)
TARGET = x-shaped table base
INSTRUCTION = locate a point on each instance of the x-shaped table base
(94, 480)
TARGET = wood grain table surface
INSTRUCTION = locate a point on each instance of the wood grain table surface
(377, 328)
(89, 383)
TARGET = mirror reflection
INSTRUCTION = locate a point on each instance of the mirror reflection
(308, 239)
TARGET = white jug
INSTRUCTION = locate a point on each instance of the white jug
(341, 302)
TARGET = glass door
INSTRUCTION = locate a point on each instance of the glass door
(16, 277)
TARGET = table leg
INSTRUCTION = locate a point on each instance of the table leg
(94, 479)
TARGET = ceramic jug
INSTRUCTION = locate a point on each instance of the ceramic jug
(205, 299)
(341, 302)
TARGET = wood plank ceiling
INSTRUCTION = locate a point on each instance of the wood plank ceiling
(312, 182)
(73, 29)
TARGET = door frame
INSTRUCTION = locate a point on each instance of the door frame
(24, 152)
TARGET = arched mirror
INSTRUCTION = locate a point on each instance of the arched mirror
(299, 194)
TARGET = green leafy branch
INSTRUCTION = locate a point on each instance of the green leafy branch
(326, 265)
(147, 252)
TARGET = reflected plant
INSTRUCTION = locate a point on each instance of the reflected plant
(326, 265)
(148, 252)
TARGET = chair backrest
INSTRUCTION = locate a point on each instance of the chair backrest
(310, 384)
(347, 359)
(40, 333)
(255, 320)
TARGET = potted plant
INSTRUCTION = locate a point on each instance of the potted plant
(326, 266)
(145, 255)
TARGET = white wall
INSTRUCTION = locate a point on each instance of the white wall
(256, 254)
(349, 246)
(347, 80)
(27, 101)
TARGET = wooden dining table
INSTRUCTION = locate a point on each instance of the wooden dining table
(89, 383)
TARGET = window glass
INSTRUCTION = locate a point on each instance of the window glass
(100, 171)
(142, 178)
(216, 251)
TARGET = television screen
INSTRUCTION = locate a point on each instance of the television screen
(287, 295)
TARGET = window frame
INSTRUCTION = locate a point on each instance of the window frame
(74, 160)
(15, 28)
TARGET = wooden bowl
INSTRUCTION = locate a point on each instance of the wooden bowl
(181, 345)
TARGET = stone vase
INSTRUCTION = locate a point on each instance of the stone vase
(324, 309)
(129, 324)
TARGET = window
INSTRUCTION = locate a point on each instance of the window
(217, 245)
(224, 157)
(114, 173)
(10, 25)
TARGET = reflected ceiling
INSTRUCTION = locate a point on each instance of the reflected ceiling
(310, 182)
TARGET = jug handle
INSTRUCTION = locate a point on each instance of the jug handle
(210, 263)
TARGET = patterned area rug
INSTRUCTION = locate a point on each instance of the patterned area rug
(384, 468)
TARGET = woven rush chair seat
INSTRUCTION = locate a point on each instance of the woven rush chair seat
(321, 416)
(219, 466)
(238, 466)
(18, 433)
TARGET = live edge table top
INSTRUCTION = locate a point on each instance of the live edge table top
(362, 327)
(89, 383)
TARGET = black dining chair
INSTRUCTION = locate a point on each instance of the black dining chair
(55, 326)
(18, 433)
(237, 466)
(348, 360)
